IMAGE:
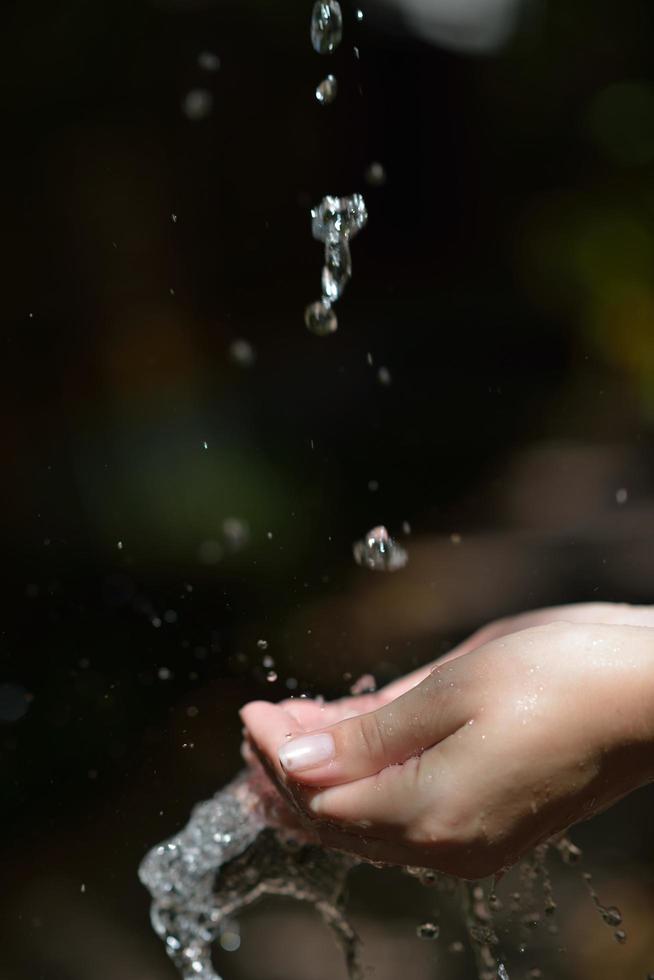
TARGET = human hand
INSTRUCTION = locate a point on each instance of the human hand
(509, 740)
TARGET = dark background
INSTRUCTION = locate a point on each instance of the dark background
(506, 281)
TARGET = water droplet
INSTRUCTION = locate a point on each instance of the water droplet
(359, 14)
(379, 552)
(620, 936)
(337, 270)
(271, 676)
(242, 352)
(119, 545)
(268, 661)
(502, 973)
(208, 61)
(428, 930)
(375, 174)
(337, 218)
(621, 496)
(326, 26)
(456, 947)
(197, 104)
(612, 916)
(164, 674)
(327, 90)
(237, 532)
(320, 319)
(384, 376)
(262, 644)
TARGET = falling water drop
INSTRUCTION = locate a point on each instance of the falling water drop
(327, 90)
(320, 319)
(379, 552)
(326, 26)
(262, 644)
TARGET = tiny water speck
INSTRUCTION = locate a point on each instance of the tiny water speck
(262, 644)
(237, 532)
(326, 26)
(119, 545)
(268, 661)
(379, 552)
(359, 14)
(384, 376)
(197, 104)
(320, 319)
(242, 352)
(428, 930)
(375, 174)
(271, 676)
(173, 218)
(230, 941)
(210, 552)
(164, 674)
(621, 496)
(208, 61)
(327, 90)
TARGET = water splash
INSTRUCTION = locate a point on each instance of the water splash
(610, 914)
(234, 851)
(379, 552)
(326, 26)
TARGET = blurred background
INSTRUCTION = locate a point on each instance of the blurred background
(186, 467)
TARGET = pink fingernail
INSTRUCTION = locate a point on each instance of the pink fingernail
(307, 751)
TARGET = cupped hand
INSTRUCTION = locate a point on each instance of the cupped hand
(530, 726)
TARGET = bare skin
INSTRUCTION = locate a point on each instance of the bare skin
(531, 725)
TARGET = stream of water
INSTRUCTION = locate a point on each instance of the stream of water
(241, 845)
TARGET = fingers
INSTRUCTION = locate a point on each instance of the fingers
(362, 746)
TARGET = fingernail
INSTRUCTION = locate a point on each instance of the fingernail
(306, 752)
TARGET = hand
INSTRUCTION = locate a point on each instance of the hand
(507, 741)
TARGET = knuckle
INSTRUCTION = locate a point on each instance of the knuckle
(372, 736)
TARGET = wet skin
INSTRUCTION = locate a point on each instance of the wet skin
(531, 725)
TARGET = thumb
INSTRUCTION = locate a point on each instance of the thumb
(366, 744)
